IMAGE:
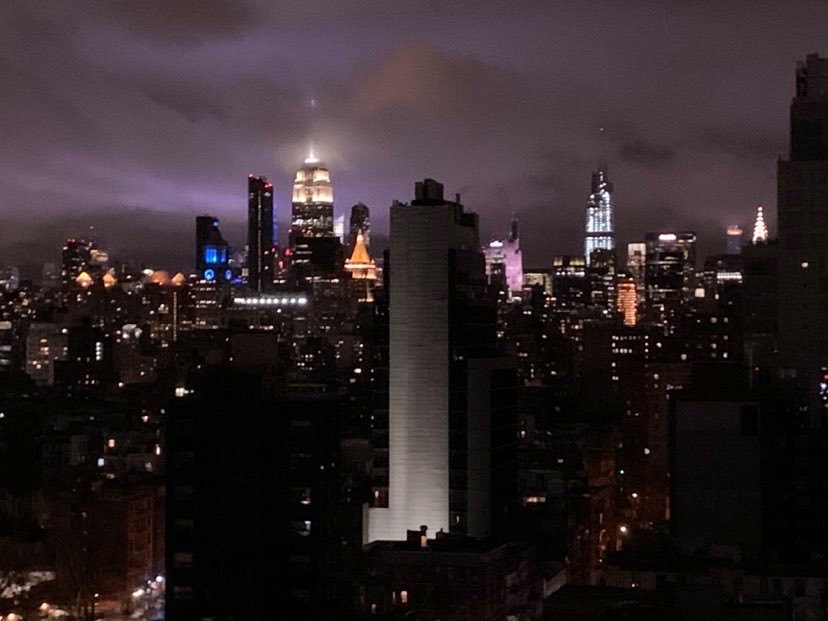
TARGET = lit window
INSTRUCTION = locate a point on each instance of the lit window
(403, 597)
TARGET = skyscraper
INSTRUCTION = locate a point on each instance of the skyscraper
(669, 275)
(600, 219)
(259, 233)
(760, 229)
(362, 268)
(448, 435)
(734, 239)
(504, 261)
(312, 205)
(627, 301)
(803, 225)
(360, 223)
(212, 252)
(636, 261)
(77, 255)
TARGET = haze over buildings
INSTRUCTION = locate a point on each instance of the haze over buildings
(143, 126)
(616, 408)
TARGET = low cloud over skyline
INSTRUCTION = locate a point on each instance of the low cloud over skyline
(136, 117)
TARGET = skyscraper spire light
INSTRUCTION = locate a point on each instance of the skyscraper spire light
(760, 229)
(311, 159)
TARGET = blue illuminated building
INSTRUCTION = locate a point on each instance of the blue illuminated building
(212, 252)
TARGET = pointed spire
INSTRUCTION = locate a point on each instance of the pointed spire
(360, 256)
(760, 229)
(513, 231)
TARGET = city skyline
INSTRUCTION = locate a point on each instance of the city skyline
(680, 150)
(420, 369)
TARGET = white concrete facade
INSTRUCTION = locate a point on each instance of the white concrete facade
(421, 239)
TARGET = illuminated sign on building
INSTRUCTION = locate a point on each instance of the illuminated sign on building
(214, 255)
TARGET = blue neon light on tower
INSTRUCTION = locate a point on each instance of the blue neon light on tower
(600, 218)
(211, 249)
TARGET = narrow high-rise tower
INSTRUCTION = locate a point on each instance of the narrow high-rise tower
(312, 206)
(259, 233)
(449, 440)
(600, 219)
(803, 226)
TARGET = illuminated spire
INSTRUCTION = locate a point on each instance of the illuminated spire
(362, 267)
(760, 229)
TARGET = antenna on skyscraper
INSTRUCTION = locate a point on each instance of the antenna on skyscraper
(311, 159)
(602, 149)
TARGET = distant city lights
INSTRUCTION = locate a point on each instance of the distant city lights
(271, 301)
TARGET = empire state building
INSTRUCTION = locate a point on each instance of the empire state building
(600, 219)
(312, 205)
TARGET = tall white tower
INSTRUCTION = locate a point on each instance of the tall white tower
(437, 274)
(600, 219)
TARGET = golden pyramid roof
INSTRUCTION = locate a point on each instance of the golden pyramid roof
(84, 279)
(360, 256)
(160, 277)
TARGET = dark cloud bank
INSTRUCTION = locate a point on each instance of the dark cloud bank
(136, 116)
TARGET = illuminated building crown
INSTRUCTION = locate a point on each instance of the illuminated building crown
(361, 265)
(760, 229)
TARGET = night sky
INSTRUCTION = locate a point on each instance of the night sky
(135, 117)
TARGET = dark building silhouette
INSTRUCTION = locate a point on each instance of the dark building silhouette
(760, 303)
(360, 223)
(253, 492)
(316, 257)
(803, 226)
(717, 469)
(259, 233)
(747, 468)
(450, 577)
